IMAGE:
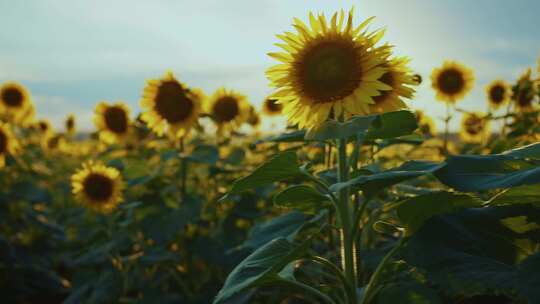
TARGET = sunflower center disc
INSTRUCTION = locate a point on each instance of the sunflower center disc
(451, 81)
(116, 119)
(12, 97)
(329, 70)
(3, 142)
(473, 125)
(388, 79)
(70, 124)
(98, 187)
(496, 94)
(172, 103)
(43, 126)
(273, 106)
(524, 98)
(226, 109)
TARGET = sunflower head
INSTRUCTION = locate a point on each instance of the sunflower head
(98, 187)
(426, 125)
(417, 79)
(8, 143)
(271, 106)
(112, 121)
(228, 108)
(70, 124)
(44, 127)
(523, 93)
(14, 99)
(452, 81)
(328, 69)
(498, 93)
(254, 118)
(474, 127)
(171, 106)
(54, 143)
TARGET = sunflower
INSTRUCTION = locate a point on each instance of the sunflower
(426, 125)
(70, 124)
(112, 121)
(44, 127)
(228, 108)
(417, 78)
(398, 77)
(328, 69)
(271, 106)
(524, 91)
(54, 143)
(14, 99)
(474, 127)
(98, 187)
(452, 81)
(498, 93)
(170, 106)
(8, 143)
(254, 119)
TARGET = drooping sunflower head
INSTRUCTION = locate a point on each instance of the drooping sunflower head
(399, 79)
(498, 92)
(8, 143)
(452, 81)
(98, 187)
(228, 108)
(523, 93)
(14, 99)
(474, 127)
(271, 106)
(70, 124)
(426, 125)
(328, 68)
(112, 121)
(170, 106)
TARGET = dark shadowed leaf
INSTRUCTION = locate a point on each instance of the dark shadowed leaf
(302, 197)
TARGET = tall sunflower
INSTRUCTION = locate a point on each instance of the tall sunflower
(228, 108)
(170, 106)
(271, 107)
(399, 78)
(98, 187)
(452, 81)
(474, 128)
(328, 69)
(498, 93)
(8, 143)
(14, 100)
(70, 124)
(112, 121)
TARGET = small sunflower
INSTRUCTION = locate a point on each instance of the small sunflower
(14, 99)
(523, 92)
(474, 127)
(112, 121)
(54, 143)
(498, 93)
(417, 78)
(44, 127)
(70, 124)
(8, 143)
(271, 106)
(254, 119)
(398, 77)
(170, 106)
(426, 125)
(328, 69)
(452, 81)
(228, 108)
(98, 187)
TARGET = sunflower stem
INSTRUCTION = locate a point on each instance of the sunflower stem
(446, 128)
(183, 173)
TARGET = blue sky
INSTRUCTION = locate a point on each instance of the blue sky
(72, 54)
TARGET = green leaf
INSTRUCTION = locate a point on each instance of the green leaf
(302, 197)
(333, 129)
(261, 267)
(295, 136)
(204, 154)
(392, 125)
(484, 172)
(407, 293)
(526, 194)
(284, 226)
(283, 166)
(415, 211)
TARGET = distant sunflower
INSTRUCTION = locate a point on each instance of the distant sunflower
(14, 99)
(523, 92)
(98, 187)
(327, 69)
(170, 106)
(417, 78)
(228, 108)
(8, 143)
(112, 121)
(474, 128)
(452, 81)
(70, 124)
(398, 77)
(498, 93)
(44, 127)
(271, 106)
(426, 125)
(54, 143)
(254, 119)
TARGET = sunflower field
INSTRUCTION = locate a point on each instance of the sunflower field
(360, 201)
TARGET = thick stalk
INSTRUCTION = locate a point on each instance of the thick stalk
(348, 247)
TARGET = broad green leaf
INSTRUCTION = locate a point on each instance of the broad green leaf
(283, 166)
(294, 136)
(415, 211)
(333, 129)
(407, 293)
(392, 125)
(526, 194)
(480, 251)
(302, 197)
(484, 172)
(261, 267)
(284, 226)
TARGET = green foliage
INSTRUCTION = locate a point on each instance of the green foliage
(302, 197)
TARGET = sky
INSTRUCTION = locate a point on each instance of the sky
(72, 54)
